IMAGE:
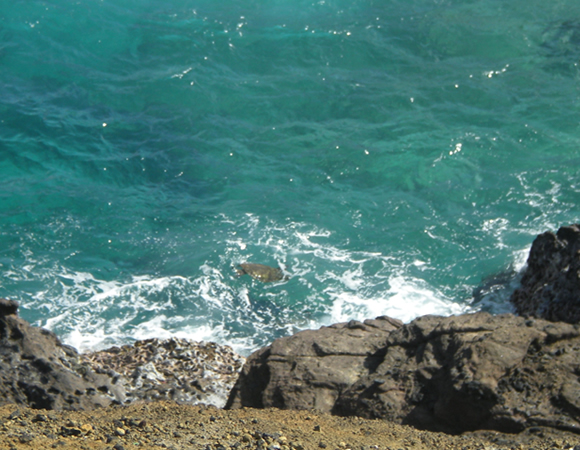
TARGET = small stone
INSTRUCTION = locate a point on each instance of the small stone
(120, 432)
(118, 446)
(131, 422)
(246, 438)
(86, 428)
(321, 445)
(316, 427)
(26, 437)
(70, 431)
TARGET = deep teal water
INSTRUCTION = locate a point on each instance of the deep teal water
(394, 157)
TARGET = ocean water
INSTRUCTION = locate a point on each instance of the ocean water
(393, 157)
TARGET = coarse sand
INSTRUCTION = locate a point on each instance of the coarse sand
(169, 425)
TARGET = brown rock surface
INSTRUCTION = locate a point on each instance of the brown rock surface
(550, 285)
(309, 369)
(451, 374)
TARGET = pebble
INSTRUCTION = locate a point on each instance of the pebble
(120, 432)
(70, 431)
(40, 418)
(26, 437)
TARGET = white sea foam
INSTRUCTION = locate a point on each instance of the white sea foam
(405, 298)
(328, 283)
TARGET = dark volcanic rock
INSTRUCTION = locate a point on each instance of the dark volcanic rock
(550, 286)
(450, 374)
(38, 371)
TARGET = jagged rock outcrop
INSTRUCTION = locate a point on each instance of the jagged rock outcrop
(38, 371)
(451, 374)
(550, 285)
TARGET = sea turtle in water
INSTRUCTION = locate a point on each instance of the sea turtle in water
(261, 272)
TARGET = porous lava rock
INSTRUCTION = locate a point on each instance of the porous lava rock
(550, 285)
(38, 371)
(450, 374)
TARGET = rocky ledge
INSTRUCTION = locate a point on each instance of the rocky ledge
(38, 371)
(450, 374)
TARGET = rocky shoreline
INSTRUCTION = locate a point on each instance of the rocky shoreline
(449, 374)
(456, 375)
(171, 369)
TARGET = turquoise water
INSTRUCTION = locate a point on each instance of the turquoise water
(393, 157)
